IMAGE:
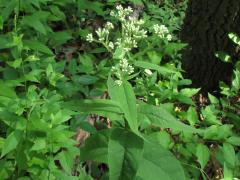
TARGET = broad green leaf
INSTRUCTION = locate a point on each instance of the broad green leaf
(96, 147)
(147, 65)
(16, 63)
(67, 159)
(172, 48)
(7, 91)
(213, 99)
(87, 79)
(1, 23)
(124, 153)
(11, 142)
(39, 144)
(223, 57)
(203, 155)
(162, 118)
(1, 142)
(125, 96)
(211, 132)
(163, 138)
(61, 116)
(229, 155)
(227, 172)
(235, 38)
(7, 11)
(184, 99)
(93, 6)
(83, 175)
(58, 38)
(57, 12)
(236, 80)
(102, 107)
(158, 163)
(192, 116)
(119, 53)
(234, 140)
(38, 46)
(35, 23)
(189, 92)
(210, 116)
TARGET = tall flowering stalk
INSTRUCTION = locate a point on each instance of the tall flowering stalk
(131, 33)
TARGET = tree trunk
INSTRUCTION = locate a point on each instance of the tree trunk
(206, 27)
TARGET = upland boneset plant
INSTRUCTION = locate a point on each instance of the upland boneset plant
(131, 32)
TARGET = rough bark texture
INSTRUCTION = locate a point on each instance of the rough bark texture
(206, 26)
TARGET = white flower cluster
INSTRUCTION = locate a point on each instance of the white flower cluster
(121, 13)
(162, 32)
(122, 69)
(103, 36)
(131, 28)
(131, 33)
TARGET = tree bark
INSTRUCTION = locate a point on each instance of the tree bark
(206, 27)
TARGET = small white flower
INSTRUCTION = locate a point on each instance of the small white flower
(129, 9)
(111, 45)
(89, 38)
(119, 7)
(118, 82)
(148, 72)
(109, 25)
(169, 37)
(162, 32)
(112, 13)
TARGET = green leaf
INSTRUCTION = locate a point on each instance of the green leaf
(236, 80)
(67, 159)
(59, 38)
(1, 142)
(234, 140)
(163, 138)
(128, 147)
(213, 99)
(189, 92)
(7, 11)
(125, 96)
(119, 53)
(1, 23)
(210, 116)
(203, 155)
(38, 46)
(162, 118)
(147, 65)
(87, 79)
(228, 173)
(192, 116)
(11, 142)
(96, 147)
(223, 57)
(184, 99)
(235, 38)
(229, 155)
(16, 63)
(35, 23)
(39, 144)
(94, 6)
(102, 107)
(172, 48)
(158, 163)
(7, 91)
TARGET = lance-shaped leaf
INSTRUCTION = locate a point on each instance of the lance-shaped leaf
(124, 153)
(102, 107)
(160, 117)
(125, 96)
(158, 163)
